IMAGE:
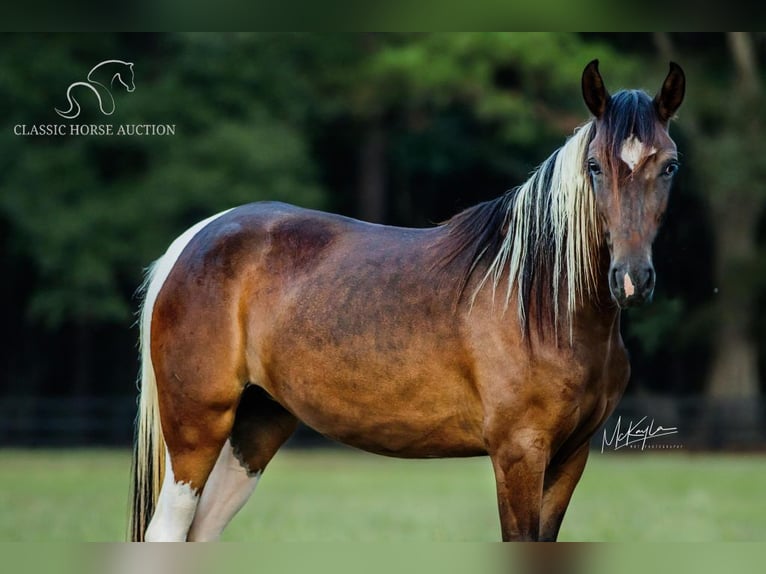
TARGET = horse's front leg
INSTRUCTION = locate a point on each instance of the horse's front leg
(560, 481)
(519, 460)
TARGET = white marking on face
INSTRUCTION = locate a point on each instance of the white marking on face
(628, 285)
(175, 509)
(633, 152)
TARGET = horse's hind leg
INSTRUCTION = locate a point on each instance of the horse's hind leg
(199, 384)
(261, 426)
(195, 429)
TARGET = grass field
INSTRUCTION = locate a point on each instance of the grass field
(328, 495)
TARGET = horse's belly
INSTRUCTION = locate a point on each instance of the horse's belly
(406, 438)
(402, 437)
(360, 345)
(391, 419)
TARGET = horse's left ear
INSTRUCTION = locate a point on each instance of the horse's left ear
(593, 90)
(669, 99)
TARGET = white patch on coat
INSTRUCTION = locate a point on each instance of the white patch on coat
(227, 489)
(628, 285)
(633, 152)
(175, 509)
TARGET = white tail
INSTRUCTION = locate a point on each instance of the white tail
(149, 446)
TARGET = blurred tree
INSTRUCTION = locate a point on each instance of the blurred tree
(91, 212)
(400, 128)
(726, 119)
(436, 105)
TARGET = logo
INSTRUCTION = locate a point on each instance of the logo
(102, 83)
(109, 71)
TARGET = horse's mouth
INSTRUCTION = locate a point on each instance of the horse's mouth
(634, 300)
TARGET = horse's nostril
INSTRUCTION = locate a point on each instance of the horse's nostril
(649, 281)
(614, 279)
(632, 283)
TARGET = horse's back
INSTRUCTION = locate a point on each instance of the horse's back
(250, 230)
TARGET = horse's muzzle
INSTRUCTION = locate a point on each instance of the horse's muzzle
(631, 284)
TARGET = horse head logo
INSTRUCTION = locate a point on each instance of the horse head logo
(100, 81)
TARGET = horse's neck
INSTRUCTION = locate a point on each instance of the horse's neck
(599, 309)
(595, 315)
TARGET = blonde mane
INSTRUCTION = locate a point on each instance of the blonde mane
(555, 210)
(543, 238)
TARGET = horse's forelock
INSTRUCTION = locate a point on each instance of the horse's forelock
(630, 113)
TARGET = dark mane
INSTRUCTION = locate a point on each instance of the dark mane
(474, 235)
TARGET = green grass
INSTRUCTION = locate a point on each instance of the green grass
(348, 495)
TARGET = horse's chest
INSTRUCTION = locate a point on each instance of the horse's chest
(602, 381)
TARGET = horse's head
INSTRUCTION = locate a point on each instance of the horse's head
(126, 77)
(631, 161)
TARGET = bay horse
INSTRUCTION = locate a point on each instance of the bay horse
(400, 341)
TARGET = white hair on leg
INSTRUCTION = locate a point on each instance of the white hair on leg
(226, 491)
(175, 509)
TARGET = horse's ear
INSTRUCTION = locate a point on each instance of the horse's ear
(593, 90)
(670, 96)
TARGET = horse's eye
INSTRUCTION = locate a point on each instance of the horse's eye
(670, 169)
(593, 167)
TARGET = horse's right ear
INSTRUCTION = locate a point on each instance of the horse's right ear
(593, 90)
(670, 96)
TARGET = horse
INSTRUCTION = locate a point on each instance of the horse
(495, 333)
(112, 70)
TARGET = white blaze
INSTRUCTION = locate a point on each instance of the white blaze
(633, 152)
